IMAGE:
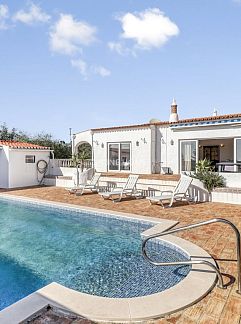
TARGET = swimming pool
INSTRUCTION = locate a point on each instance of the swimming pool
(94, 253)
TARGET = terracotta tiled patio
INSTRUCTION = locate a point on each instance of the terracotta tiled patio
(220, 306)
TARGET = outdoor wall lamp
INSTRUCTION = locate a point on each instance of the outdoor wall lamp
(171, 142)
(102, 145)
(222, 145)
(137, 143)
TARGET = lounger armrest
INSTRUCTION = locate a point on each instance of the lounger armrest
(117, 189)
(166, 191)
(180, 193)
(130, 190)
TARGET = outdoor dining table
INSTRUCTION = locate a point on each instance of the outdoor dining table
(229, 166)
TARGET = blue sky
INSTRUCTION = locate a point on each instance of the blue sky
(88, 64)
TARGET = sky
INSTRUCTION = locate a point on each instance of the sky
(88, 64)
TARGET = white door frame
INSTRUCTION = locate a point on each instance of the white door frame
(119, 153)
(235, 152)
(180, 152)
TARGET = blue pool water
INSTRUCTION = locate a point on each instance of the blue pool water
(91, 253)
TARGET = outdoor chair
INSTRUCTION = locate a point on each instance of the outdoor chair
(129, 189)
(92, 186)
(180, 193)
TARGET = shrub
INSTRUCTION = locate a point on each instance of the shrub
(206, 174)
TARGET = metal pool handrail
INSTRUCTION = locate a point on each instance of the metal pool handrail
(211, 265)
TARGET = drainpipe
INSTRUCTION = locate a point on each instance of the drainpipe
(73, 148)
(153, 149)
(166, 146)
(92, 151)
(157, 162)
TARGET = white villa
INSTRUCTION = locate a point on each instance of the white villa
(170, 146)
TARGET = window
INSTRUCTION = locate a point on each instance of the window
(238, 150)
(29, 158)
(113, 157)
(119, 156)
(188, 155)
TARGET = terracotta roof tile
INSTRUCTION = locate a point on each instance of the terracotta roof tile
(190, 120)
(120, 127)
(210, 118)
(22, 145)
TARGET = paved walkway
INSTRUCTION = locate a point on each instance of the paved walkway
(220, 306)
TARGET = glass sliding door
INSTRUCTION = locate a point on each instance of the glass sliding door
(119, 156)
(114, 157)
(188, 155)
(125, 156)
(238, 150)
(237, 154)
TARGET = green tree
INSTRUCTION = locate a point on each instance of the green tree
(84, 153)
(85, 150)
(6, 134)
(61, 149)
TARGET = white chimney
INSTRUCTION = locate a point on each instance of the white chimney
(174, 115)
(215, 112)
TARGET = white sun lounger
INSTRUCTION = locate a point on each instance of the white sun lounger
(92, 185)
(128, 189)
(178, 194)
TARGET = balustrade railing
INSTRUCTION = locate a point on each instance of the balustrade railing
(69, 163)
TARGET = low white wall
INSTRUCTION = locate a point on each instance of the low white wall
(59, 182)
(226, 197)
(196, 189)
(143, 184)
(61, 171)
(232, 179)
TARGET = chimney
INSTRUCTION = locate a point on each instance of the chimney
(215, 112)
(174, 115)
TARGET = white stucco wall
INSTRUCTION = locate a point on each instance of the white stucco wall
(4, 167)
(23, 174)
(170, 153)
(141, 156)
(161, 146)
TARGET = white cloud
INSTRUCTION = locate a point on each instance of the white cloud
(34, 15)
(120, 48)
(4, 14)
(150, 28)
(81, 66)
(147, 29)
(102, 71)
(87, 70)
(68, 36)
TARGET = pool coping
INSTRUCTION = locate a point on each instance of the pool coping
(190, 290)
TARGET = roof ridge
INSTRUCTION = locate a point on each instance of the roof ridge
(186, 120)
(22, 145)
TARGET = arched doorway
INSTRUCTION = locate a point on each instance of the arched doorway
(84, 154)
